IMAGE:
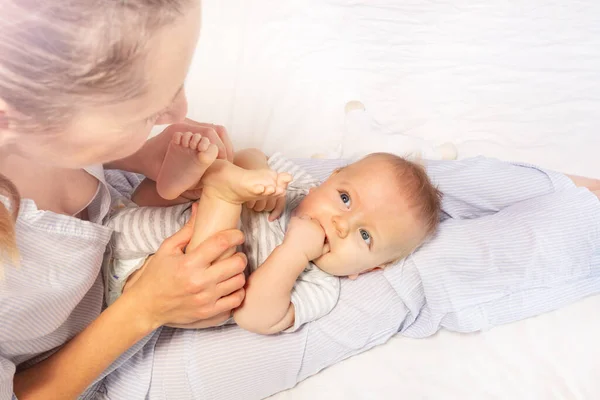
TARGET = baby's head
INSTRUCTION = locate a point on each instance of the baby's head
(374, 212)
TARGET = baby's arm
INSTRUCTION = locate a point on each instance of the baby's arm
(267, 307)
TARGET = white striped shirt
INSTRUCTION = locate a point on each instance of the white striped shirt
(57, 289)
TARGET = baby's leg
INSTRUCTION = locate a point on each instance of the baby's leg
(146, 195)
(188, 157)
(225, 188)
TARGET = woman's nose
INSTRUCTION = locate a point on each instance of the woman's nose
(176, 112)
(341, 226)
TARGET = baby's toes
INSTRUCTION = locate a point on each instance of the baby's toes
(258, 189)
(284, 179)
(195, 141)
(186, 138)
(177, 138)
(204, 144)
(209, 155)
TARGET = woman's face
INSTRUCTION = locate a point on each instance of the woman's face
(117, 130)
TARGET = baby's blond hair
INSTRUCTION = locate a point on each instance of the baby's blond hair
(422, 196)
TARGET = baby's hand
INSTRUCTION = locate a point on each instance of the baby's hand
(274, 204)
(306, 235)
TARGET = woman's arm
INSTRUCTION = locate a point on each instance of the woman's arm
(174, 288)
(68, 372)
(481, 186)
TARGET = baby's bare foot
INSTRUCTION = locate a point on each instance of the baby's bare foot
(188, 157)
(237, 185)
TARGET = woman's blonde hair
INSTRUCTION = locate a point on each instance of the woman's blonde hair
(8, 245)
(60, 57)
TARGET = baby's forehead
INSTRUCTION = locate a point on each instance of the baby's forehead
(370, 167)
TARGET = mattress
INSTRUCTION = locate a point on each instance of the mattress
(515, 80)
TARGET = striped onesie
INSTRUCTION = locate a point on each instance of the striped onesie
(138, 232)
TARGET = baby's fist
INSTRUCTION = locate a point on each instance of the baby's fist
(306, 235)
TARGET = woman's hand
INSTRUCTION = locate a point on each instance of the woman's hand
(148, 160)
(178, 288)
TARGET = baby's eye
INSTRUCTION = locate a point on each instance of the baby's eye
(366, 236)
(345, 199)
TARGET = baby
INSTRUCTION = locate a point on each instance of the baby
(364, 216)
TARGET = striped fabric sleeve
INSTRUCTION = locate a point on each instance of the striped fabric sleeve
(123, 182)
(7, 373)
(139, 231)
(314, 296)
(527, 259)
(480, 186)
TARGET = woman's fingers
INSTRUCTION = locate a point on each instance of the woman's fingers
(231, 285)
(271, 202)
(205, 323)
(222, 132)
(217, 134)
(225, 269)
(260, 205)
(181, 239)
(227, 303)
(213, 247)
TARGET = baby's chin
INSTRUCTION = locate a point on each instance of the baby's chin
(323, 265)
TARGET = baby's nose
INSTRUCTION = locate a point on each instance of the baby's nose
(340, 225)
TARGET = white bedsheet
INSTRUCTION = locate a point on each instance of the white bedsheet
(514, 80)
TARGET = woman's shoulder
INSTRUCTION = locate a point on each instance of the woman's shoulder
(53, 289)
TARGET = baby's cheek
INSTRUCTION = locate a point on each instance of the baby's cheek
(350, 261)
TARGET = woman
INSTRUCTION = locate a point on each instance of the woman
(81, 84)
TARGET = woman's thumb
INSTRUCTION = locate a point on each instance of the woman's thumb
(181, 238)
